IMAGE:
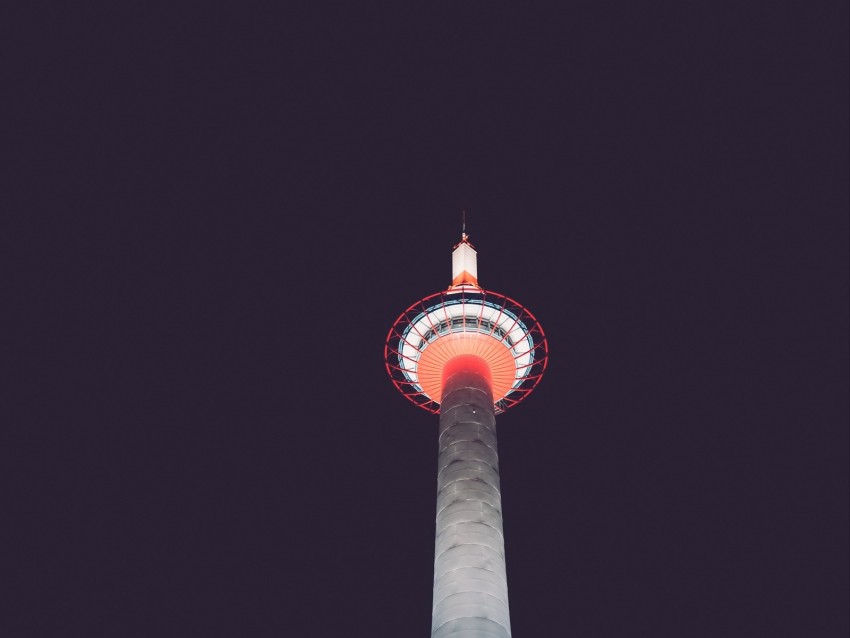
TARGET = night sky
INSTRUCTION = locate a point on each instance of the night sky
(216, 213)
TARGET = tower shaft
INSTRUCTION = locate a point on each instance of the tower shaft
(470, 583)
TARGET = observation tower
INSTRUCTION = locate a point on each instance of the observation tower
(467, 354)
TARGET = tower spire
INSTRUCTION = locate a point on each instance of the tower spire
(464, 260)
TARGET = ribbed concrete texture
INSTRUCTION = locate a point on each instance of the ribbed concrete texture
(470, 584)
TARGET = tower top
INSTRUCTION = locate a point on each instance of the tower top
(465, 321)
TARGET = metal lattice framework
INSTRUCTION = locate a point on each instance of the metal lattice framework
(466, 320)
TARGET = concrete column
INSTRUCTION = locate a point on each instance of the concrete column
(470, 584)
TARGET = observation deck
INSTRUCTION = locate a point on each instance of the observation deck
(466, 321)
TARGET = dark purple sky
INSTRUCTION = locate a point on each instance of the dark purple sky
(217, 213)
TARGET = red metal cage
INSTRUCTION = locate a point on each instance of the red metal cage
(466, 320)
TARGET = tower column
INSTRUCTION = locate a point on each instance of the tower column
(470, 583)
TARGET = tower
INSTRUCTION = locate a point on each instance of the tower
(467, 354)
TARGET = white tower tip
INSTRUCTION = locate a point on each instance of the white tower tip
(464, 264)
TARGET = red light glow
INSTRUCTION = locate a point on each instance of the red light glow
(486, 354)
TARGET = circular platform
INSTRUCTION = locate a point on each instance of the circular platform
(464, 321)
